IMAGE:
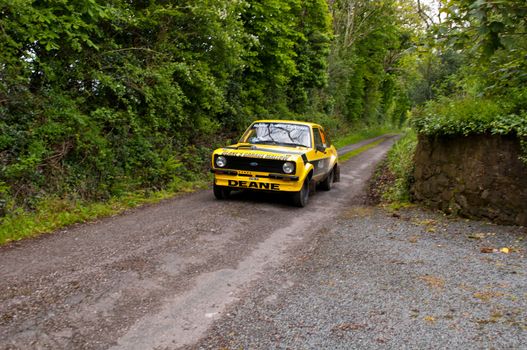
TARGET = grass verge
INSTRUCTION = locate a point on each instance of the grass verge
(54, 213)
(361, 135)
(358, 151)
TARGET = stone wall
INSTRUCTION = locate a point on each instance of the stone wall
(478, 176)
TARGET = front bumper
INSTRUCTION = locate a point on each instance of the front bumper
(256, 181)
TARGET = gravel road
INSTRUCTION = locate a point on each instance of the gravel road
(253, 272)
(157, 276)
(378, 280)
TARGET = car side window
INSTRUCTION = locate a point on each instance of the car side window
(318, 138)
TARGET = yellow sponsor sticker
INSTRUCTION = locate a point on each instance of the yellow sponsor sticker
(257, 155)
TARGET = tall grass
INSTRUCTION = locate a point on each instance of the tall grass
(400, 163)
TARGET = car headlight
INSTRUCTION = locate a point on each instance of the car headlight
(288, 167)
(221, 161)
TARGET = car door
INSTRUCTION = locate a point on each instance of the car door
(321, 160)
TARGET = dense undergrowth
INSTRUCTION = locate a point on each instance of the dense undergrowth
(392, 181)
(462, 116)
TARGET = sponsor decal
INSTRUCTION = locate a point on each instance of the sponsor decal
(255, 185)
(258, 155)
(282, 126)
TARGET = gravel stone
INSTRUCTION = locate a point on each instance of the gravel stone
(409, 280)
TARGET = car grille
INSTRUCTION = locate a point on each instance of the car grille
(263, 165)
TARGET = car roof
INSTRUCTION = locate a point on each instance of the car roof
(287, 122)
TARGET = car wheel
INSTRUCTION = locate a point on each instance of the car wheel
(301, 197)
(328, 182)
(221, 192)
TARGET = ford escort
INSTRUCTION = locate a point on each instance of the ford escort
(279, 156)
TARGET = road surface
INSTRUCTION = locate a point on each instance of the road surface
(158, 276)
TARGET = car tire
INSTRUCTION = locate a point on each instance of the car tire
(328, 181)
(301, 197)
(221, 192)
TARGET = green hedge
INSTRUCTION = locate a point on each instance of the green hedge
(471, 115)
(464, 116)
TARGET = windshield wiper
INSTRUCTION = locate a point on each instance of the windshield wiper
(291, 144)
(269, 142)
(265, 142)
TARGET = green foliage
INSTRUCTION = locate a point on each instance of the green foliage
(102, 99)
(366, 76)
(400, 163)
(464, 116)
(473, 71)
(98, 100)
(492, 25)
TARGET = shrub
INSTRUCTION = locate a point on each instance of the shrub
(469, 115)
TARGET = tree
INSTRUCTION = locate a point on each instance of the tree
(371, 39)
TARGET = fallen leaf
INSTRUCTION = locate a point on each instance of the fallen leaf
(433, 281)
(430, 319)
(487, 295)
(477, 236)
(427, 222)
(483, 322)
(505, 250)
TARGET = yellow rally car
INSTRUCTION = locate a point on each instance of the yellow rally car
(277, 155)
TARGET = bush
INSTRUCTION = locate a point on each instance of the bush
(469, 115)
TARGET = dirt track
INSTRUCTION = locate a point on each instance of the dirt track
(160, 275)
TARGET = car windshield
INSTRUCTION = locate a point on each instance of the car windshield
(283, 134)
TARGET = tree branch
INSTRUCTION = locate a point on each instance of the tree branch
(424, 16)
